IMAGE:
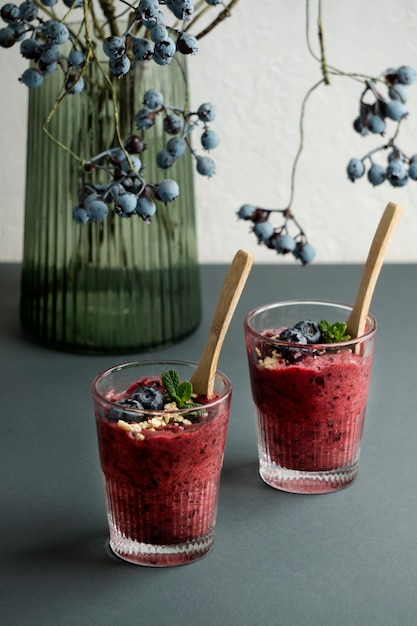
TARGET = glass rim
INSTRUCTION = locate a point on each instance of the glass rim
(150, 362)
(285, 303)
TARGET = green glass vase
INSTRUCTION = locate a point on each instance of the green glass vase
(122, 285)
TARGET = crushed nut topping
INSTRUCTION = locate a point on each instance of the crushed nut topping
(269, 362)
(156, 422)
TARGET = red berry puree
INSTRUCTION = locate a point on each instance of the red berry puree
(311, 411)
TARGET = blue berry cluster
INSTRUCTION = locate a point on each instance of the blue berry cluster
(159, 46)
(41, 42)
(375, 112)
(148, 37)
(127, 190)
(278, 238)
(179, 124)
(160, 42)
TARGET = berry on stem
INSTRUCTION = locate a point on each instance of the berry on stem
(355, 169)
(278, 238)
(167, 190)
(32, 78)
(127, 190)
(205, 166)
(207, 112)
(375, 117)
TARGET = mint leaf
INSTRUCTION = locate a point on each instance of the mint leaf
(333, 333)
(171, 381)
(184, 391)
(179, 392)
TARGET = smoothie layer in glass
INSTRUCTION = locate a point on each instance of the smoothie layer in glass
(311, 411)
(162, 482)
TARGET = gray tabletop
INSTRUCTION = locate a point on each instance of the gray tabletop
(346, 558)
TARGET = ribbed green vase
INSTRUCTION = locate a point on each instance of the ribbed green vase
(119, 286)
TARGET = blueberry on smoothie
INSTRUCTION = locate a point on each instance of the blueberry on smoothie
(292, 335)
(149, 397)
(310, 330)
(114, 415)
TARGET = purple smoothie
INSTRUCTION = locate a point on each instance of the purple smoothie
(310, 402)
(162, 483)
(311, 413)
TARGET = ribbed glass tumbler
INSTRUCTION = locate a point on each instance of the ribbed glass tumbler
(161, 468)
(310, 398)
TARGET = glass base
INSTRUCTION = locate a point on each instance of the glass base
(152, 555)
(296, 481)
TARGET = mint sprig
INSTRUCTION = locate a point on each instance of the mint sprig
(179, 392)
(333, 333)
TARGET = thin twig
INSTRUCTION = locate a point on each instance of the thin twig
(301, 141)
(221, 16)
(323, 62)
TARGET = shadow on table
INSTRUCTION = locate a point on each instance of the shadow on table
(245, 496)
(88, 550)
(242, 495)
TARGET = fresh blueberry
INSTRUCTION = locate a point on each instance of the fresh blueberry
(167, 190)
(114, 415)
(187, 44)
(377, 174)
(310, 330)
(149, 397)
(304, 252)
(355, 169)
(406, 74)
(292, 335)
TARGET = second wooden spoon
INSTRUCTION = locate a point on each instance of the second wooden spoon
(357, 319)
(203, 377)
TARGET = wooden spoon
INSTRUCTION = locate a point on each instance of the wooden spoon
(203, 377)
(356, 322)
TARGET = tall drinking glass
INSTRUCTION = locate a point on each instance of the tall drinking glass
(310, 399)
(161, 466)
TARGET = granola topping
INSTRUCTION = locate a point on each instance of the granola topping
(169, 419)
(156, 422)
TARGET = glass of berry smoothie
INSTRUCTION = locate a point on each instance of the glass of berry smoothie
(310, 386)
(161, 453)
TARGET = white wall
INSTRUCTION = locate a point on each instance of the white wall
(256, 68)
